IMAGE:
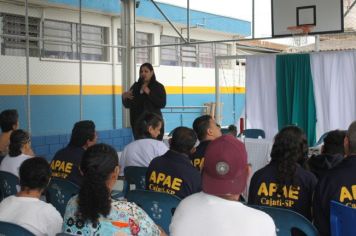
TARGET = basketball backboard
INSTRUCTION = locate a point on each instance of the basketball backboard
(325, 15)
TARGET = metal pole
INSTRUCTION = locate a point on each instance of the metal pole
(80, 64)
(165, 17)
(253, 19)
(113, 75)
(317, 43)
(128, 63)
(217, 93)
(350, 8)
(188, 22)
(28, 90)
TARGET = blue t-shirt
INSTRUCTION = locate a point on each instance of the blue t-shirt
(125, 218)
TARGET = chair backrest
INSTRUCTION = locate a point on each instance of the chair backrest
(159, 206)
(342, 219)
(136, 175)
(253, 133)
(9, 229)
(59, 192)
(8, 183)
(286, 220)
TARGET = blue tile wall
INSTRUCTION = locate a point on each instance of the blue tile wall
(47, 146)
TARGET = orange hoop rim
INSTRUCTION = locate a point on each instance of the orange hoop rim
(300, 29)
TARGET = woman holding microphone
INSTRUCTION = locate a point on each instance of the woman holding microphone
(145, 95)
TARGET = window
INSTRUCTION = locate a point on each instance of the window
(143, 54)
(59, 31)
(93, 35)
(206, 55)
(119, 42)
(67, 33)
(15, 25)
(169, 54)
(189, 55)
(222, 49)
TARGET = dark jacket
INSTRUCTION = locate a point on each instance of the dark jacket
(320, 164)
(338, 184)
(145, 103)
(198, 156)
(173, 173)
(263, 190)
(65, 164)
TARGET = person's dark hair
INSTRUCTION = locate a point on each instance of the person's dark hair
(351, 135)
(201, 126)
(18, 138)
(288, 148)
(35, 173)
(8, 118)
(334, 142)
(146, 120)
(98, 162)
(82, 132)
(150, 67)
(183, 140)
(232, 130)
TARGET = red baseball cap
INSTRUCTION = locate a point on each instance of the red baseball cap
(225, 168)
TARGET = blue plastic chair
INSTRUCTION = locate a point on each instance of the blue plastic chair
(9, 229)
(159, 206)
(342, 219)
(8, 183)
(253, 133)
(59, 192)
(286, 220)
(135, 175)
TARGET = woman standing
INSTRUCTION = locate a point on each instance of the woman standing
(145, 95)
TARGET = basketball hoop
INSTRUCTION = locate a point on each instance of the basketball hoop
(300, 34)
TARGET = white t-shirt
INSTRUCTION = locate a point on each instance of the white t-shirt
(12, 164)
(141, 152)
(205, 214)
(33, 214)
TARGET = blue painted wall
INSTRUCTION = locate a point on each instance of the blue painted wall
(53, 115)
(47, 146)
(173, 120)
(174, 13)
(207, 20)
(108, 6)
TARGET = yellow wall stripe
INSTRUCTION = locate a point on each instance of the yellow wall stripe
(18, 90)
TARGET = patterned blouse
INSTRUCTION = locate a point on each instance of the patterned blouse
(124, 219)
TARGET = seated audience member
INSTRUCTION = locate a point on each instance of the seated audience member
(173, 172)
(332, 153)
(92, 211)
(217, 210)
(283, 182)
(141, 151)
(26, 209)
(9, 121)
(207, 130)
(232, 130)
(65, 163)
(337, 184)
(19, 151)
